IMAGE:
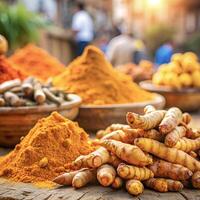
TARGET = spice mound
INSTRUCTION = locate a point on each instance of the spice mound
(93, 78)
(47, 151)
(36, 62)
(7, 72)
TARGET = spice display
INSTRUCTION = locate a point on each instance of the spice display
(34, 61)
(30, 92)
(183, 71)
(7, 71)
(134, 157)
(43, 154)
(93, 78)
(143, 71)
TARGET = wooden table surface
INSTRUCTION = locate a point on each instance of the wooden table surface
(21, 191)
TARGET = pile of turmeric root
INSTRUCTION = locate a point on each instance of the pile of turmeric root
(157, 150)
(30, 92)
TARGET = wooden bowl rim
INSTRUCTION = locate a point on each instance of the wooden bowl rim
(148, 85)
(159, 99)
(75, 101)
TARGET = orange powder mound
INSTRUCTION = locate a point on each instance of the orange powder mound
(36, 62)
(7, 72)
(47, 151)
(93, 78)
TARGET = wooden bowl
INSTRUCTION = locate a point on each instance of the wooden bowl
(94, 118)
(16, 122)
(187, 99)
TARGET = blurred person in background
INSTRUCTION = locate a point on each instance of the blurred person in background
(164, 53)
(121, 49)
(83, 27)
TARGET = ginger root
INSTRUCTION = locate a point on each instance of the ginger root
(173, 137)
(172, 155)
(134, 187)
(126, 151)
(145, 122)
(164, 169)
(158, 184)
(172, 118)
(196, 180)
(188, 145)
(94, 159)
(131, 172)
(84, 177)
(106, 175)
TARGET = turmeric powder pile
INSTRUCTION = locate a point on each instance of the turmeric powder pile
(93, 78)
(36, 62)
(47, 151)
(7, 71)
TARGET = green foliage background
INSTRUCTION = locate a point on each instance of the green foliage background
(19, 25)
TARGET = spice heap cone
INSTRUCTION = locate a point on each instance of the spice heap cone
(36, 62)
(93, 78)
(7, 71)
(47, 151)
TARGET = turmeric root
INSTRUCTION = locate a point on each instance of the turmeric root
(110, 129)
(172, 118)
(158, 184)
(114, 160)
(101, 133)
(134, 187)
(66, 178)
(126, 137)
(173, 137)
(6, 86)
(186, 118)
(196, 180)
(117, 183)
(84, 177)
(94, 159)
(106, 175)
(153, 134)
(174, 185)
(50, 96)
(193, 134)
(2, 102)
(172, 155)
(188, 145)
(13, 100)
(163, 169)
(145, 122)
(132, 172)
(193, 154)
(129, 153)
(27, 89)
(149, 109)
(39, 95)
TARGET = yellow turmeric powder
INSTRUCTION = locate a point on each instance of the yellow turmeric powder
(34, 61)
(92, 77)
(42, 155)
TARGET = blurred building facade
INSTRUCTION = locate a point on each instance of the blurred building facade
(184, 15)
